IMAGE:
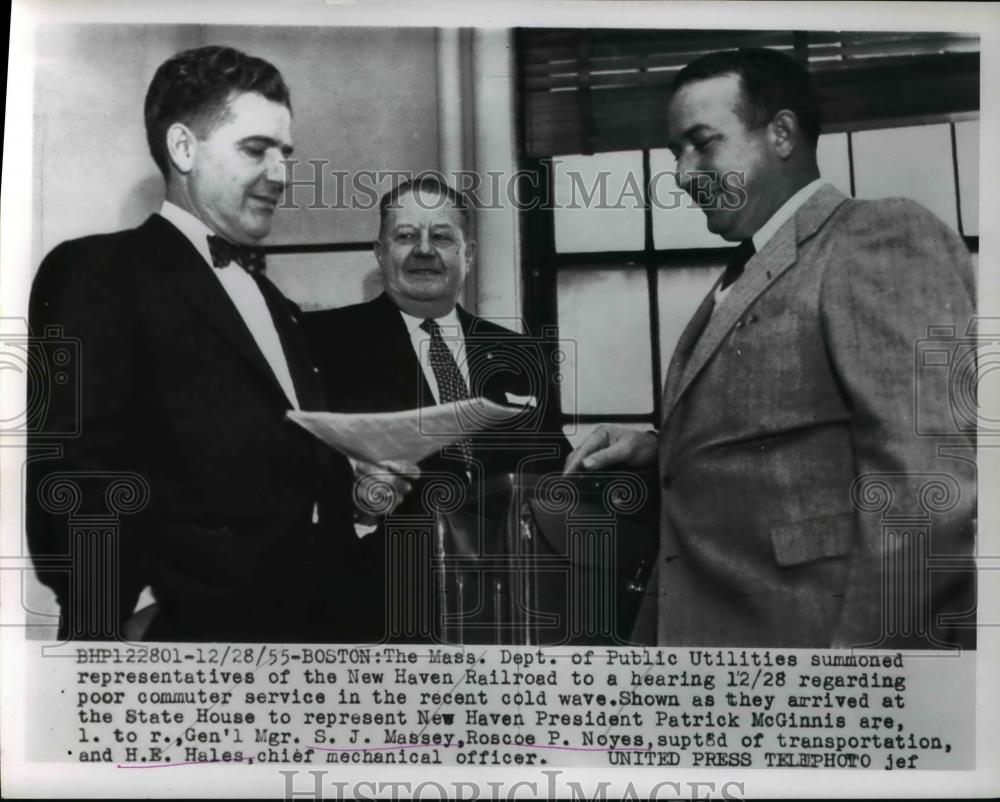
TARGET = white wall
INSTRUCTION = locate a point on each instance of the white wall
(363, 99)
(92, 170)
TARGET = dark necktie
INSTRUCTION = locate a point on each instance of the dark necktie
(224, 252)
(451, 383)
(738, 261)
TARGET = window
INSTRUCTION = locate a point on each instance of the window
(624, 281)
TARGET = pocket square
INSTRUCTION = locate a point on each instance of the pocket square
(521, 400)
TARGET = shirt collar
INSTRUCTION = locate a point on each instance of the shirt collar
(450, 324)
(190, 226)
(784, 213)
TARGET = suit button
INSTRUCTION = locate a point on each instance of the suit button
(315, 369)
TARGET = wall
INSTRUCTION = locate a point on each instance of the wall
(363, 99)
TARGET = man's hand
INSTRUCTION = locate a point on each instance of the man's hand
(613, 445)
(380, 488)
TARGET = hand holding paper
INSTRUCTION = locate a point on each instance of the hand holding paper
(380, 488)
(410, 435)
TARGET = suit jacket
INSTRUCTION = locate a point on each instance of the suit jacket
(804, 504)
(176, 395)
(367, 358)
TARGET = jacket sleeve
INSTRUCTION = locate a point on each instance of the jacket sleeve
(82, 444)
(897, 271)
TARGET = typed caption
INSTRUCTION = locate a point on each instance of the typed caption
(169, 706)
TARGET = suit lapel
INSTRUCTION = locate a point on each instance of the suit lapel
(195, 283)
(481, 355)
(308, 386)
(471, 347)
(395, 358)
(682, 352)
(763, 269)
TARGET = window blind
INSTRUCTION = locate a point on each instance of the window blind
(590, 91)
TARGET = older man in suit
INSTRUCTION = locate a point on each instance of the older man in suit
(802, 505)
(190, 358)
(415, 346)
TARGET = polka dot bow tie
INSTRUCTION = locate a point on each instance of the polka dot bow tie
(223, 252)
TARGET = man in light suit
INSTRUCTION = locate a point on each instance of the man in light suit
(415, 346)
(190, 359)
(798, 489)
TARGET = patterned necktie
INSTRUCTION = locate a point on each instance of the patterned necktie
(738, 261)
(451, 383)
(224, 252)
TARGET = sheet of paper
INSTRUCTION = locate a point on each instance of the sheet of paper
(408, 435)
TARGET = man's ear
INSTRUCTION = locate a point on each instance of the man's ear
(784, 133)
(181, 147)
(377, 250)
(470, 254)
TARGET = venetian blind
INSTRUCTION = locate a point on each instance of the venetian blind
(590, 91)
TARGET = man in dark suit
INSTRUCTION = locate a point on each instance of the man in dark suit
(818, 487)
(190, 359)
(385, 355)
(415, 346)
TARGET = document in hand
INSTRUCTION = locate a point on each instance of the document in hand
(410, 435)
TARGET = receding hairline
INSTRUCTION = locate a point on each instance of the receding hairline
(393, 198)
(741, 105)
(770, 81)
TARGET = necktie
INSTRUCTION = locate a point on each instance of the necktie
(738, 261)
(223, 252)
(451, 383)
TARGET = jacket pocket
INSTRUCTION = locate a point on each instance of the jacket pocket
(813, 539)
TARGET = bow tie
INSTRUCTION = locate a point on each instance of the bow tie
(224, 252)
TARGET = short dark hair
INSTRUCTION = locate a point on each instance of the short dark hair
(770, 81)
(425, 182)
(195, 86)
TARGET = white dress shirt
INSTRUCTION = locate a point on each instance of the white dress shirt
(451, 333)
(243, 292)
(776, 221)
